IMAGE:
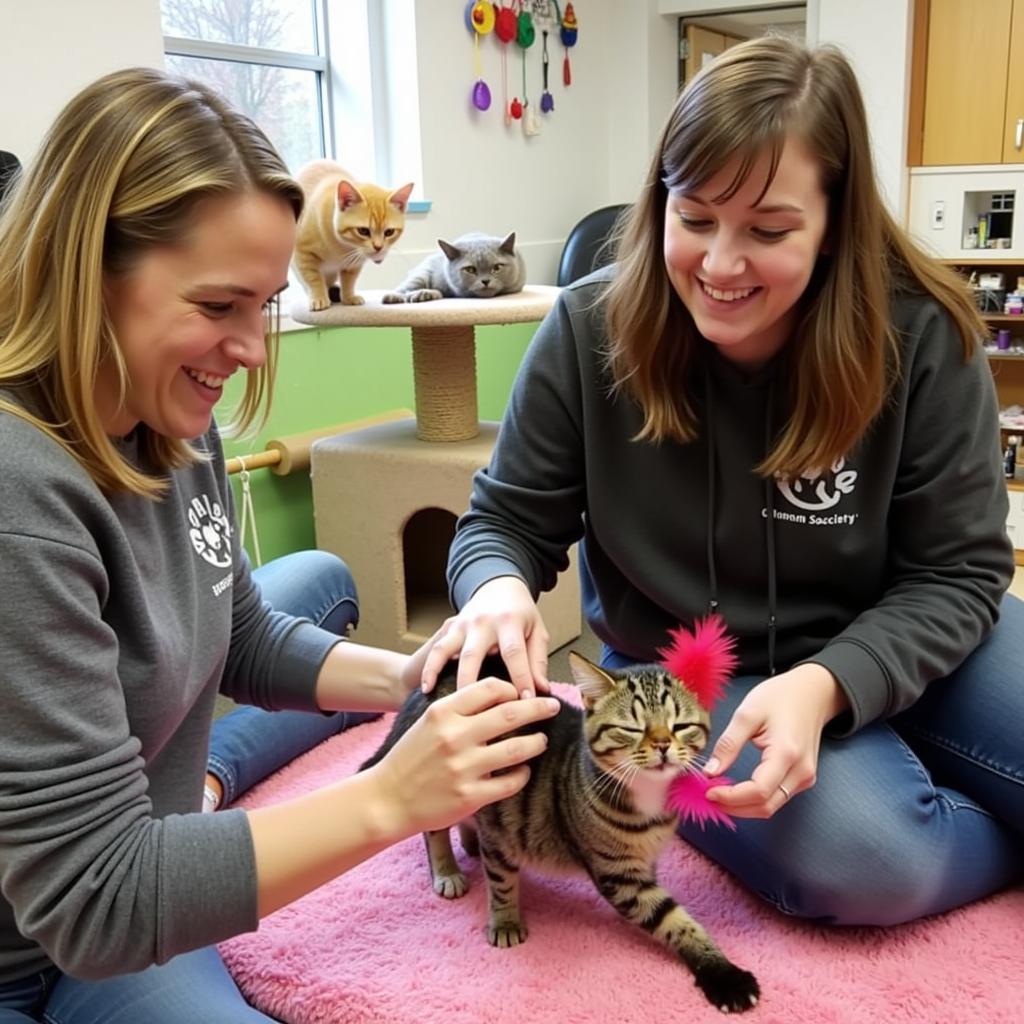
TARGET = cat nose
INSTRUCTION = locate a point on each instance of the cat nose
(660, 740)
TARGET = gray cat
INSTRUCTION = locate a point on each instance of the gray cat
(474, 266)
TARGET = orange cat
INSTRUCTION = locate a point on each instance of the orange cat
(344, 224)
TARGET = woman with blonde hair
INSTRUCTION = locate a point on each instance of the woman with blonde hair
(775, 407)
(140, 256)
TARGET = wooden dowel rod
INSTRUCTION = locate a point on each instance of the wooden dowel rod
(258, 460)
(290, 454)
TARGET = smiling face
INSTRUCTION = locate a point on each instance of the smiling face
(741, 266)
(187, 316)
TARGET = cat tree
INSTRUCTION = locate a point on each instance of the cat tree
(386, 497)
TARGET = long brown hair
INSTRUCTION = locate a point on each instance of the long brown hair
(119, 173)
(844, 357)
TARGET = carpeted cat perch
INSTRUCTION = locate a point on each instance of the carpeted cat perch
(443, 347)
(376, 946)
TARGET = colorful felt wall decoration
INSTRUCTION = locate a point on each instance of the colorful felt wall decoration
(480, 21)
(525, 36)
(505, 30)
(568, 32)
(547, 101)
(520, 21)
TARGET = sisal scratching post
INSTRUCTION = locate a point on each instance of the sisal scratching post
(444, 378)
(386, 502)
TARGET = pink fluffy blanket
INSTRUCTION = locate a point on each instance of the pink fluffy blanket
(376, 946)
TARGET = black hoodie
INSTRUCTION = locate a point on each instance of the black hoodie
(888, 568)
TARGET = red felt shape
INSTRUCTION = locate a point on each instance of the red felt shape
(505, 24)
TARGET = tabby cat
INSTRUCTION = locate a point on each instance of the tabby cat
(474, 266)
(344, 223)
(595, 802)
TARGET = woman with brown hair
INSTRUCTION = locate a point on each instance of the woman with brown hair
(140, 256)
(776, 407)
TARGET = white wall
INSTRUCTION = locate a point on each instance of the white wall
(50, 49)
(877, 35)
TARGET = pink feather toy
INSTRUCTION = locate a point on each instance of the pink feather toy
(702, 661)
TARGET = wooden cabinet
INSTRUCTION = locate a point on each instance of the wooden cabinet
(1008, 372)
(970, 103)
(1013, 133)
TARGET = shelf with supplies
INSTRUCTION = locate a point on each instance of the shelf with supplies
(1005, 350)
(998, 285)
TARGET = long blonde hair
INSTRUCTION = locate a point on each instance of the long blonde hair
(844, 357)
(118, 174)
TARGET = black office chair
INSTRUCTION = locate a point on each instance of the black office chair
(10, 165)
(585, 248)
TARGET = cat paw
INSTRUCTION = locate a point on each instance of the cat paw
(353, 300)
(425, 295)
(452, 886)
(507, 934)
(317, 304)
(730, 988)
(392, 298)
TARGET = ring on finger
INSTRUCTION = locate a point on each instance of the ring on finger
(785, 792)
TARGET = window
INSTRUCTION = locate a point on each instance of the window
(350, 94)
(266, 57)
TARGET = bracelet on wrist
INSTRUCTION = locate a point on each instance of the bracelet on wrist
(211, 799)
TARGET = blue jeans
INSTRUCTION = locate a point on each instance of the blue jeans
(191, 987)
(909, 817)
(247, 744)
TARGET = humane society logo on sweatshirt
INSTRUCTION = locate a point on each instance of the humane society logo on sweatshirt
(210, 533)
(815, 495)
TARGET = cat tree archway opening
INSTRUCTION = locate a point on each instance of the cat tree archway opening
(425, 542)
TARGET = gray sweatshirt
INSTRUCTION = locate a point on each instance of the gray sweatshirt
(120, 619)
(887, 568)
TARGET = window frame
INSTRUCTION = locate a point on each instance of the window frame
(355, 84)
(241, 53)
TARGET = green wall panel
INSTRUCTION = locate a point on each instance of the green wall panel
(338, 375)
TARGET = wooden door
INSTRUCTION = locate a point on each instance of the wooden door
(965, 91)
(1013, 137)
(703, 46)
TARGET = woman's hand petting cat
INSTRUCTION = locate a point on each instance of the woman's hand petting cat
(783, 717)
(443, 769)
(500, 618)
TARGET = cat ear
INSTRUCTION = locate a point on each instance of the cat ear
(400, 197)
(593, 682)
(451, 251)
(348, 194)
(509, 245)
